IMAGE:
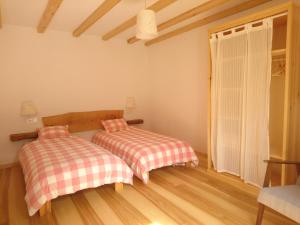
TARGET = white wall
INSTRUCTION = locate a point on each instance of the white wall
(60, 74)
(179, 74)
(178, 69)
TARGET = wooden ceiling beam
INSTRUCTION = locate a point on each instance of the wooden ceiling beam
(186, 15)
(157, 6)
(48, 14)
(103, 9)
(220, 15)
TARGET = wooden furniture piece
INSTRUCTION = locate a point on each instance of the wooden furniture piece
(155, 150)
(82, 121)
(46, 208)
(279, 194)
(118, 187)
(285, 83)
(77, 122)
(135, 122)
(23, 136)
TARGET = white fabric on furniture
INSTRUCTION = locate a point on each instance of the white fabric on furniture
(285, 200)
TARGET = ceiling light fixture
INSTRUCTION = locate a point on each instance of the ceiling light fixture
(146, 24)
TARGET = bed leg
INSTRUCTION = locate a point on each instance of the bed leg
(45, 208)
(188, 164)
(48, 206)
(118, 187)
(42, 210)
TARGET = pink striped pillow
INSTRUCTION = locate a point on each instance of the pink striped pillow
(53, 132)
(114, 125)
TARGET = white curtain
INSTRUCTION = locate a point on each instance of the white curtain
(241, 74)
(257, 102)
(230, 69)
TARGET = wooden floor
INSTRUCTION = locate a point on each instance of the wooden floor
(175, 195)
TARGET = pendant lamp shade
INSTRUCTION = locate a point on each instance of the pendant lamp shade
(146, 25)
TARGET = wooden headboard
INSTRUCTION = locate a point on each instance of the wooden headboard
(77, 122)
(82, 121)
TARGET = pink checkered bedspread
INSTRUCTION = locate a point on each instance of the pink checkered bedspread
(144, 151)
(60, 166)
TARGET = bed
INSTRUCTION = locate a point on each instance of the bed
(58, 163)
(60, 166)
(144, 151)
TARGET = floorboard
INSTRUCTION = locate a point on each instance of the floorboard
(87, 213)
(174, 195)
(127, 212)
(4, 181)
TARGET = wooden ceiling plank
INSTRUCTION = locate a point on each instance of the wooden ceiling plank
(48, 14)
(186, 15)
(220, 15)
(103, 9)
(157, 6)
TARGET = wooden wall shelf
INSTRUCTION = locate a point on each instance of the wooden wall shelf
(23, 136)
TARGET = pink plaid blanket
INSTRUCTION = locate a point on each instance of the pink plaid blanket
(60, 166)
(144, 151)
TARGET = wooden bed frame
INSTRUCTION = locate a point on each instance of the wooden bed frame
(83, 121)
(77, 122)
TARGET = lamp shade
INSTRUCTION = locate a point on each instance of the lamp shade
(130, 103)
(146, 25)
(28, 109)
